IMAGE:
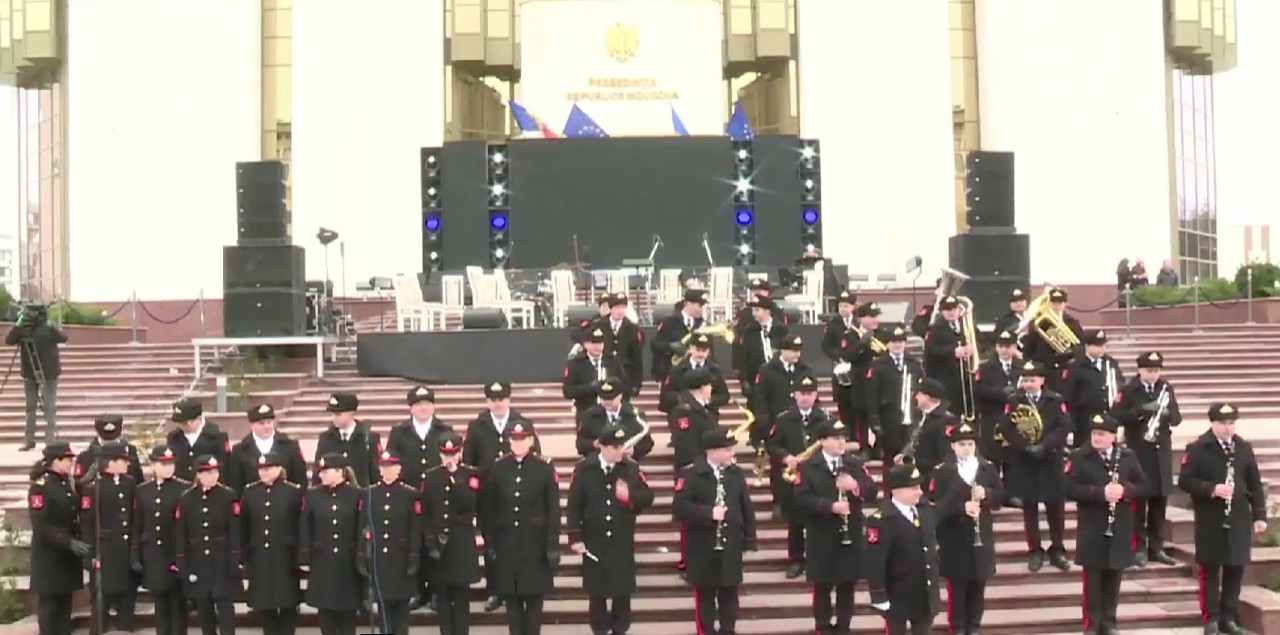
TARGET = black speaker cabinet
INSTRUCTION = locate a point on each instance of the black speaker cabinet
(577, 314)
(989, 189)
(264, 312)
(483, 318)
(266, 266)
(261, 213)
(991, 255)
(990, 295)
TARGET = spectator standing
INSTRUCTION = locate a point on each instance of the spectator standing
(1167, 276)
(36, 337)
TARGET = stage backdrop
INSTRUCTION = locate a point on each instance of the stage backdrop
(625, 64)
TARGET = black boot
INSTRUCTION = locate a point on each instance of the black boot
(1229, 627)
(1140, 559)
(492, 604)
(1036, 561)
(795, 570)
(1163, 557)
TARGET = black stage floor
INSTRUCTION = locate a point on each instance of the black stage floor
(483, 356)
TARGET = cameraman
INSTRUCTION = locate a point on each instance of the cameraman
(33, 325)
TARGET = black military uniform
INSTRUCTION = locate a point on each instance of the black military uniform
(940, 361)
(772, 393)
(210, 440)
(674, 383)
(390, 556)
(243, 465)
(902, 559)
(744, 320)
(931, 446)
(1138, 402)
(688, 422)
(109, 429)
(578, 333)
(269, 515)
(833, 333)
(153, 547)
(995, 383)
(106, 523)
(715, 549)
(1084, 386)
(584, 373)
(207, 550)
(883, 398)
(624, 341)
(1035, 349)
(521, 518)
(487, 440)
(358, 444)
(672, 330)
(596, 418)
(1033, 474)
(449, 504)
(328, 541)
(417, 443)
(968, 561)
(858, 349)
(792, 433)
(760, 340)
(833, 546)
(1224, 528)
(1104, 532)
(604, 521)
(57, 553)
(1013, 319)
(923, 318)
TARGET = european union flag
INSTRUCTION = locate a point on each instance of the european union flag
(738, 128)
(678, 125)
(579, 124)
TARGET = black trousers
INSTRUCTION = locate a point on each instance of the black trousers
(822, 613)
(1101, 597)
(277, 621)
(171, 612)
(894, 626)
(1056, 514)
(216, 616)
(118, 609)
(609, 615)
(1220, 592)
(795, 541)
(1149, 529)
(966, 602)
(336, 622)
(490, 576)
(54, 614)
(424, 580)
(711, 603)
(395, 616)
(524, 614)
(453, 605)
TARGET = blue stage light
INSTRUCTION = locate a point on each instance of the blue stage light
(433, 223)
(498, 222)
(744, 217)
(810, 216)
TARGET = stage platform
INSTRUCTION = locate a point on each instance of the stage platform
(528, 355)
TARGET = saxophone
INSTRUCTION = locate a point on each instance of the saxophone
(913, 445)
(1230, 481)
(789, 474)
(846, 538)
(720, 502)
(1114, 470)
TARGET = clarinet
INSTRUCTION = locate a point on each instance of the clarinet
(1115, 480)
(1229, 482)
(845, 537)
(720, 502)
(977, 522)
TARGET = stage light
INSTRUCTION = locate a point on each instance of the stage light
(744, 249)
(498, 222)
(433, 224)
(434, 256)
(743, 155)
(497, 157)
(744, 214)
(810, 216)
(432, 164)
(809, 173)
(744, 217)
(807, 152)
(499, 253)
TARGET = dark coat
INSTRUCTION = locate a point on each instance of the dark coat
(666, 339)
(90, 456)
(932, 443)
(1087, 474)
(582, 378)
(1156, 457)
(883, 400)
(55, 519)
(833, 544)
(940, 363)
(743, 323)
(1035, 349)
(1219, 539)
(949, 492)
(772, 394)
(687, 423)
(673, 386)
(328, 540)
(361, 451)
(993, 386)
(1084, 388)
(46, 338)
(212, 441)
(449, 503)
(484, 445)
(418, 455)
(391, 527)
(752, 351)
(594, 419)
(154, 546)
(1034, 466)
(207, 534)
(269, 517)
(901, 562)
(792, 433)
(242, 468)
(856, 349)
(106, 523)
(606, 523)
(695, 496)
(627, 345)
(521, 519)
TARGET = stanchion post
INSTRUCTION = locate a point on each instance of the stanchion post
(1248, 290)
(200, 300)
(133, 318)
(1195, 289)
(1128, 312)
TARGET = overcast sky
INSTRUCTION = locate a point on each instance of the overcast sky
(1247, 120)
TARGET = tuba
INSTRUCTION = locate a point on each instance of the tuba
(723, 331)
(1041, 318)
(1026, 419)
(952, 280)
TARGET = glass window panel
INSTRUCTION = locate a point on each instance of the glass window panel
(1189, 183)
(1197, 91)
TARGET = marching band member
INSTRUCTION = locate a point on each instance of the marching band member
(269, 511)
(611, 411)
(928, 445)
(772, 392)
(1090, 384)
(1220, 472)
(901, 557)
(1017, 308)
(416, 441)
(194, 437)
(1103, 479)
(1034, 469)
(623, 340)
(884, 398)
(995, 383)
(391, 556)
(328, 541)
(584, 373)
(923, 318)
(606, 496)
(833, 333)
(745, 320)
(830, 488)
(1148, 424)
(243, 466)
(699, 358)
(207, 551)
(761, 339)
(1035, 349)
(691, 419)
(673, 328)
(945, 347)
(153, 550)
(521, 519)
(965, 492)
(791, 435)
(110, 429)
(450, 498)
(714, 504)
(355, 441)
(578, 332)
(859, 351)
(106, 523)
(57, 553)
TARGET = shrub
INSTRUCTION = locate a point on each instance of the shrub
(75, 315)
(11, 607)
(1266, 277)
(1211, 290)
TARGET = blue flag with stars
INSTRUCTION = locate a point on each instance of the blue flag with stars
(738, 128)
(580, 125)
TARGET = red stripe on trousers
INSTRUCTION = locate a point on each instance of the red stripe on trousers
(697, 610)
(951, 625)
(684, 541)
(1137, 522)
(1084, 596)
(813, 604)
(1200, 595)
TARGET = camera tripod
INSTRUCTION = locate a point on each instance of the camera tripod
(28, 346)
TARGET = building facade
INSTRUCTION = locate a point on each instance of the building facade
(130, 114)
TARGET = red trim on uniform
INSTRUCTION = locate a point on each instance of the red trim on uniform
(813, 608)
(1200, 594)
(1084, 597)
(697, 604)
(684, 542)
(1137, 523)
(951, 624)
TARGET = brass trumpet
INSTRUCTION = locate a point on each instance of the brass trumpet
(1050, 326)
(723, 331)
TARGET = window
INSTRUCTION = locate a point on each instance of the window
(1195, 175)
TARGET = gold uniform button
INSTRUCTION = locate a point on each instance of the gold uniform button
(124, 537)
(334, 508)
(608, 534)
(384, 550)
(335, 536)
(516, 523)
(608, 519)
(386, 521)
(386, 536)
(335, 521)
(445, 514)
(386, 508)
(159, 542)
(335, 550)
(268, 503)
(206, 552)
(266, 532)
(157, 514)
(266, 545)
(204, 524)
(204, 510)
(206, 538)
(424, 461)
(157, 501)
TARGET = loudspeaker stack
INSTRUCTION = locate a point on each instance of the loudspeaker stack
(993, 254)
(263, 275)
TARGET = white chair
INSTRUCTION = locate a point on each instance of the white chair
(412, 312)
(516, 310)
(453, 299)
(809, 300)
(564, 294)
(669, 290)
(720, 295)
(475, 280)
(620, 282)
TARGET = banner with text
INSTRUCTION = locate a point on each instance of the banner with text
(626, 64)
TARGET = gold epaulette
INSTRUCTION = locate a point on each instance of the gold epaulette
(545, 458)
(182, 480)
(258, 482)
(406, 486)
(38, 482)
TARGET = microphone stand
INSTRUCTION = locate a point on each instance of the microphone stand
(339, 330)
(648, 279)
(707, 248)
